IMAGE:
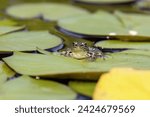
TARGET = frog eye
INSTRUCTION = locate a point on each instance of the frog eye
(83, 44)
(75, 44)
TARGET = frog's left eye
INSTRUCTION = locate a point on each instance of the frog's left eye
(75, 44)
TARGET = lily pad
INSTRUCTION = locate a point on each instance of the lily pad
(7, 22)
(3, 79)
(137, 24)
(5, 73)
(116, 44)
(84, 88)
(9, 29)
(26, 88)
(123, 26)
(28, 41)
(99, 24)
(131, 20)
(139, 52)
(65, 67)
(7, 26)
(123, 84)
(4, 69)
(48, 11)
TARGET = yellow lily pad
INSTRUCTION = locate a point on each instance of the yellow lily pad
(123, 84)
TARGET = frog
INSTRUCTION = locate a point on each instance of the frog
(80, 51)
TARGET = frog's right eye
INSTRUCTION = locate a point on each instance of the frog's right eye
(83, 44)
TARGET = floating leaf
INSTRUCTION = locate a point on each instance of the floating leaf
(26, 88)
(28, 41)
(8, 29)
(116, 44)
(84, 88)
(133, 20)
(139, 52)
(100, 24)
(137, 24)
(65, 67)
(4, 69)
(123, 84)
(5, 72)
(7, 22)
(48, 11)
(132, 27)
(3, 78)
(7, 26)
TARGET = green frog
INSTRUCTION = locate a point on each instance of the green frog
(80, 50)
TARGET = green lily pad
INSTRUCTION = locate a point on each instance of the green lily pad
(7, 26)
(4, 69)
(3, 78)
(100, 24)
(139, 52)
(26, 88)
(84, 88)
(132, 20)
(7, 22)
(9, 29)
(65, 67)
(48, 11)
(137, 24)
(123, 26)
(117, 44)
(28, 41)
(5, 73)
